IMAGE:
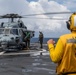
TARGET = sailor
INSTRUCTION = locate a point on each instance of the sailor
(64, 54)
(41, 39)
(27, 40)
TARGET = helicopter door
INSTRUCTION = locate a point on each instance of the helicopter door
(21, 35)
(20, 32)
(6, 31)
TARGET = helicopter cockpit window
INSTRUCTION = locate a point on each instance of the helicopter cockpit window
(1, 31)
(14, 31)
(4, 31)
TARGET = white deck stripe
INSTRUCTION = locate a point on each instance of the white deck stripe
(22, 53)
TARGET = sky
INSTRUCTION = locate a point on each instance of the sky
(49, 27)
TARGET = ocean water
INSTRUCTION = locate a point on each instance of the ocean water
(35, 40)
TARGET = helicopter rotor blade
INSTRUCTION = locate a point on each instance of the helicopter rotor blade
(29, 16)
(46, 18)
(49, 13)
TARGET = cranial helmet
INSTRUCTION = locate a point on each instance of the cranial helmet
(71, 23)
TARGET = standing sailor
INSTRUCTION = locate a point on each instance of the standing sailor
(41, 39)
(65, 51)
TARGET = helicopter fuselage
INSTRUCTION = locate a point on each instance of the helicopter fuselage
(11, 36)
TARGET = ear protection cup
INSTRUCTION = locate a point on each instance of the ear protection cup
(68, 25)
(71, 23)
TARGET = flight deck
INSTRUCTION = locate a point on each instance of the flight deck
(34, 61)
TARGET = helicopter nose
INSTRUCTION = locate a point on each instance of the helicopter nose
(3, 44)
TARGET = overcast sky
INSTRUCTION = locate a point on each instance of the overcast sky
(50, 28)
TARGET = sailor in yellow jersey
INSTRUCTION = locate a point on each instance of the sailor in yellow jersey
(64, 54)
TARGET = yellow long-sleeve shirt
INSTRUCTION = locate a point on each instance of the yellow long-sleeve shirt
(57, 52)
(61, 54)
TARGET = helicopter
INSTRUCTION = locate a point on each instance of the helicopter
(11, 33)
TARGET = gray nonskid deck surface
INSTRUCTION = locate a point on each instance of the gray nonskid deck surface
(21, 65)
(24, 64)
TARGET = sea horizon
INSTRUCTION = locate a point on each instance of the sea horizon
(36, 39)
